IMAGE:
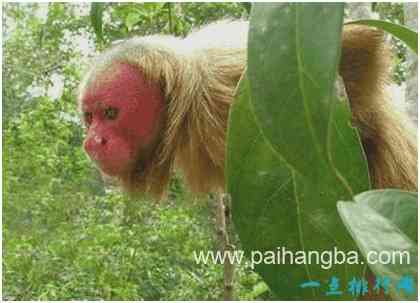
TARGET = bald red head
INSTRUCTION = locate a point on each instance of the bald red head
(122, 112)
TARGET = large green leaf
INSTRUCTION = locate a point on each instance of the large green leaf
(272, 206)
(405, 34)
(296, 154)
(293, 54)
(385, 221)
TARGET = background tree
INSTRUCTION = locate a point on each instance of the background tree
(65, 236)
(359, 10)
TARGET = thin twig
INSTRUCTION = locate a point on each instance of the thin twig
(223, 222)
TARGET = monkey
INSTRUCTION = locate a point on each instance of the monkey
(154, 103)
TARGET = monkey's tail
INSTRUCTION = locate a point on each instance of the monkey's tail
(389, 146)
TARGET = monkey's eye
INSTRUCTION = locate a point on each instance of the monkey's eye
(87, 116)
(111, 113)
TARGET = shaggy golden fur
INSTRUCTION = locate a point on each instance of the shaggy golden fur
(389, 146)
(198, 76)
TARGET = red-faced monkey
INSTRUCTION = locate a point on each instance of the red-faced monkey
(157, 102)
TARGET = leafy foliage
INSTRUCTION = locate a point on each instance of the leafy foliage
(289, 194)
(122, 20)
(393, 12)
(292, 153)
(385, 221)
(65, 234)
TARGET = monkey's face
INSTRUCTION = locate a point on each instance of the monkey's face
(122, 113)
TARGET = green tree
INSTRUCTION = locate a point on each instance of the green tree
(66, 235)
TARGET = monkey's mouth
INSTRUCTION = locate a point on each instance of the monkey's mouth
(112, 165)
(112, 169)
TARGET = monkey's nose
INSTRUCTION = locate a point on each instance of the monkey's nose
(94, 144)
(100, 140)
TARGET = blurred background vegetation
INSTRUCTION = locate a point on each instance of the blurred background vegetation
(65, 234)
